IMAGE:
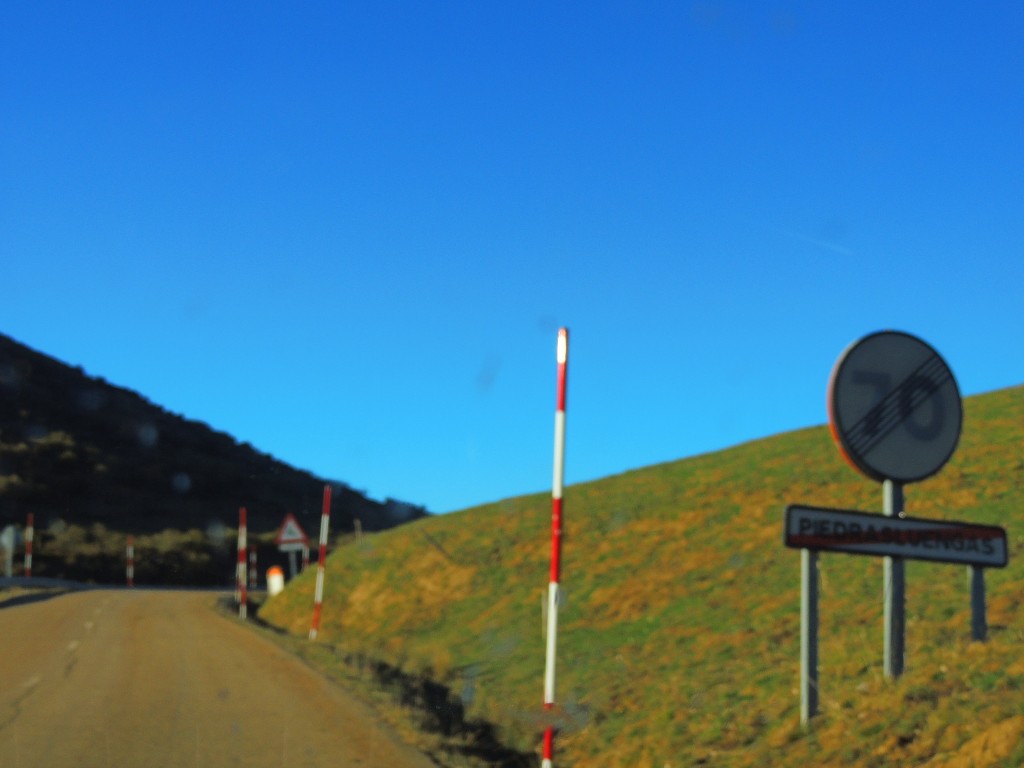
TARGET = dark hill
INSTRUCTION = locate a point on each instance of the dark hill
(78, 451)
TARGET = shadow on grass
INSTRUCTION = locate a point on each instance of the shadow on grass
(437, 709)
(442, 712)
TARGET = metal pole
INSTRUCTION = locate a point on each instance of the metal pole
(808, 634)
(243, 597)
(29, 536)
(129, 570)
(8, 547)
(979, 627)
(556, 546)
(894, 590)
(252, 568)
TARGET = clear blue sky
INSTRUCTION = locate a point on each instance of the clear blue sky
(347, 233)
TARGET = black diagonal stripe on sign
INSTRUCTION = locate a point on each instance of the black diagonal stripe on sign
(898, 406)
(888, 414)
(908, 396)
(885, 415)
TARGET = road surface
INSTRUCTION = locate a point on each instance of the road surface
(143, 679)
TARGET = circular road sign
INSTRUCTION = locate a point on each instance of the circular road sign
(894, 407)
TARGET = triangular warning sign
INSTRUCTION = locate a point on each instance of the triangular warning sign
(290, 532)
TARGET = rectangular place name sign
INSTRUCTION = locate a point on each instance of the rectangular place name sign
(861, 533)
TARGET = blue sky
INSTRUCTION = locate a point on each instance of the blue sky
(348, 233)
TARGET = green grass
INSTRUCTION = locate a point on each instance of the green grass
(679, 636)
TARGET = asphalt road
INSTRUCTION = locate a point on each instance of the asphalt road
(145, 679)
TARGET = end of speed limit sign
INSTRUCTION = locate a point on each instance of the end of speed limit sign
(894, 407)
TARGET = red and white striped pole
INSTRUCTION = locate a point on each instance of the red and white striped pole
(129, 571)
(318, 597)
(30, 532)
(556, 545)
(243, 597)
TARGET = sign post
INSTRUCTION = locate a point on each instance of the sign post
(129, 567)
(291, 538)
(979, 627)
(895, 413)
(808, 634)
(252, 568)
(240, 576)
(895, 539)
(29, 536)
(894, 591)
(8, 541)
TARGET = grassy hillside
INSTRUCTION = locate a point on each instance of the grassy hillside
(679, 636)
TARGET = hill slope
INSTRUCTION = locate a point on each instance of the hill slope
(78, 451)
(679, 637)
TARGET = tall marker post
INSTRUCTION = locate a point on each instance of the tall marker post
(318, 596)
(252, 568)
(29, 535)
(243, 596)
(8, 541)
(129, 569)
(556, 545)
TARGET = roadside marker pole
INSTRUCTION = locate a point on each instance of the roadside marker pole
(252, 568)
(29, 535)
(318, 597)
(556, 545)
(243, 596)
(305, 558)
(129, 571)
